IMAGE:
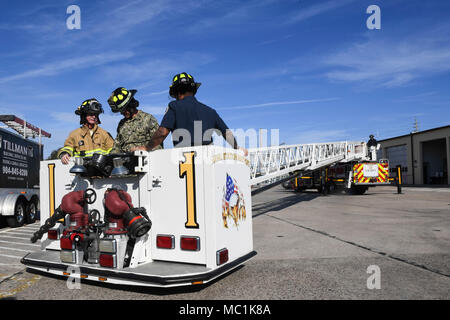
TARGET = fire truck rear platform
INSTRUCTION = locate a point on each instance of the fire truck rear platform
(172, 217)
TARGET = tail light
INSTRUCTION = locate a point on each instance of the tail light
(108, 260)
(66, 243)
(222, 256)
(53, 234)
(190, 243)
(108, 245)
(165, 241)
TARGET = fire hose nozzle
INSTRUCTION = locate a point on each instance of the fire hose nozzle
(137, 225)
(134, 219)
(48, 224)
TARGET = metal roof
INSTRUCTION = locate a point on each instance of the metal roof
(415, 133)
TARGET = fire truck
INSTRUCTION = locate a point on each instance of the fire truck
(19, 178)
(165, 218)
(354, 177)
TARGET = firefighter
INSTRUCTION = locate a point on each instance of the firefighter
(137, 127)
(89, 138)
(185, 113)
(372, 141)
(372, 146)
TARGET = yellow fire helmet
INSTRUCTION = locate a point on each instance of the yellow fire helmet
(185, 82)
(120, 98)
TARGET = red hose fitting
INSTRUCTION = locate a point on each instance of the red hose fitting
(117, 207)
(115, 204)
(72, 204)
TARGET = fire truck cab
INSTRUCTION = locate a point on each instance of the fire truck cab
(166, 218)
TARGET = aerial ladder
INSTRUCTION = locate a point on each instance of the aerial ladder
(171, 217)
(271, 164)
(324, 166)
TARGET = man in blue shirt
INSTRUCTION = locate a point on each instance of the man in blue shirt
(191, 122)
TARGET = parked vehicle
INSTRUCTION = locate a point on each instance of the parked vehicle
(19, 175)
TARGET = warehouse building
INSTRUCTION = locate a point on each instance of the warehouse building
(424, 156)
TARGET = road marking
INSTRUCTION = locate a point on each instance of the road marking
(31, 226)
(21, 233)
(10, 256)
(22, 230)
(18, 229)
(10, 231)
(28, 229)
(14, 237)
(20, 243)
(14, 249)
(25, 284)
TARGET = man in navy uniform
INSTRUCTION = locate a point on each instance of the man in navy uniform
(190, 121)
(372, 147)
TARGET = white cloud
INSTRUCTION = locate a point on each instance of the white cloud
(155, 68)
(67, 65)
(158, 93)
(317, 9)
(229, 15)
(121, 20)
(390, 62)
(269, 104)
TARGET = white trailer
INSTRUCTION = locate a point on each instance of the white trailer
(19, 172)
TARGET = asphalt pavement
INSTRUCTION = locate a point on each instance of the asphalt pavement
(378, 246)
(14, 244)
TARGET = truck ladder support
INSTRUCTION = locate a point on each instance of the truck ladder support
(271, 164)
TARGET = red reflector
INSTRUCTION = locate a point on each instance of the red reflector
(222, 256)
(52, 234)
(66, 243)
(190, 243)
(77, 237)
(165, 242)
(108, 260)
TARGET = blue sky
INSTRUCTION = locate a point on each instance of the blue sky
(311, 69)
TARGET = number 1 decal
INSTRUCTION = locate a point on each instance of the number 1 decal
(187, 171)
(51, 187)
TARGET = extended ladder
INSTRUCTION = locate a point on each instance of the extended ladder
(271, 164)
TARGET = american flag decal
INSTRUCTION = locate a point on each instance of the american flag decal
(230, 188)
(233, 204)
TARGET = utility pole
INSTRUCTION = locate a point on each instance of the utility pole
(416, 126)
